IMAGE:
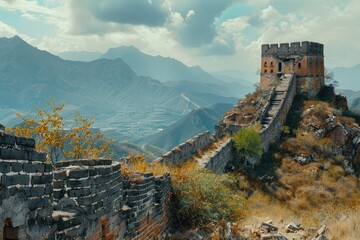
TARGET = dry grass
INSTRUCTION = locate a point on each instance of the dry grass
(138, 163)
(247, 109)
(346, 226)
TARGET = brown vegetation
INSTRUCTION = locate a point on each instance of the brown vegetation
(247, 109)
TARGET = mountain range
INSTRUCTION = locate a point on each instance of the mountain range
(126, 105)
(347, 77)
(175, 73)
(197, 121)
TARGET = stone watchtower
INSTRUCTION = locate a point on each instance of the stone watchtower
(305, 61)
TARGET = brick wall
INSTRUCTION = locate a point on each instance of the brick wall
(92, 189)
(187, 149)
(25, 190)
(147, 199)
(221, 157)
(82, 199)
(272, 132)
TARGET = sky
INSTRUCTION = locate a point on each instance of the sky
(218, 35)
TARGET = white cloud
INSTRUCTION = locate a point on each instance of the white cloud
(233, 44)
(190, 14)
(7, 30)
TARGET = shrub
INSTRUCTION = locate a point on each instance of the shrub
(247, 142)
(202, 196)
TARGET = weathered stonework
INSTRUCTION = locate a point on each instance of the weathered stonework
(82, 199)
(305, 60)
(276, 113)
(220, 158)
(186, 150)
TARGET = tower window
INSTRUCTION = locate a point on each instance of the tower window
(271, 64)
(265, 64)
(299, 65)
(271, 71)
(265, 70)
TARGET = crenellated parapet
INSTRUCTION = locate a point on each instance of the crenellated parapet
(79, 199)
(295, 48)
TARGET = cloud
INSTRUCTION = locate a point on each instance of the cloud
(136, 12)
(7, 30)
(191, 22)
(228, 39)
(198, 28)
(10, 1)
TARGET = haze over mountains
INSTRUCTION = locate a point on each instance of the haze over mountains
(126, 105)
(133, 95)
(188, 126)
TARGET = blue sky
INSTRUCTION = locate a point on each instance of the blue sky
(218, 35)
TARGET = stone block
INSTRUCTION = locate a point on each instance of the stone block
(4, 167)
(34, 156)
(85, 201)
(33, 168)
(78, 183)
(58, 184)
(16, 167)
(48, 189)
(36, 203)
(43, 179)
(77, 174)
(35, 192)
(59, 175)
(47, 167)
(59, 165)
(14, 180)
(26, 142)
(103, 170)
(7, 153)
(6, 139)
(58, 194)
(79, 192)
(103, 162)
(116, 167)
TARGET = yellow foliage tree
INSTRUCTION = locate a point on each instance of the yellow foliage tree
(48, 129)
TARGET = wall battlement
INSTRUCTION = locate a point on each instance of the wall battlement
(185, 150)
(81, 199)
(295, 48)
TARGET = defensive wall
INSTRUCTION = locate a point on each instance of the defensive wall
(187, 149)
(305, 60)
(278, 112)
(295, 48)
(216, 162)
(272, 116)
(82, 199)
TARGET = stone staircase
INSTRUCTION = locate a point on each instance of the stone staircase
(276, 100)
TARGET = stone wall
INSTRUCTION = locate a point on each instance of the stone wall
(270, 134)
(294, 48)
(82, 199)
(186, 150)
(147, 198)
(92, 191)
(25, 190)
(220, 158)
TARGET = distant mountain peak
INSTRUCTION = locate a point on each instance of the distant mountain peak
(15, 40)
(158, 67)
